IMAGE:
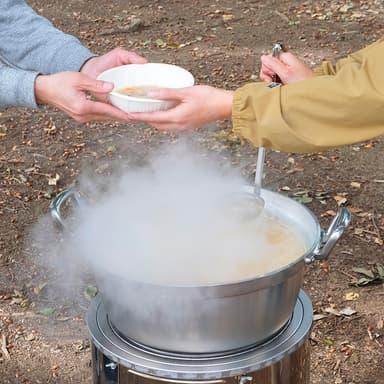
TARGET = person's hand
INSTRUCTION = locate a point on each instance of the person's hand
(288, 67)
(197, 106)
(68, 92)
(118, 56)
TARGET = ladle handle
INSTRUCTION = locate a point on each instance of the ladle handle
(276, 50)
(57, 202)
(259, 170)
(329, 238)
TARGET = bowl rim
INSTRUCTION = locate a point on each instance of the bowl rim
(140, 99)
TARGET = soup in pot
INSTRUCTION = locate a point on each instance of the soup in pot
(252, 248)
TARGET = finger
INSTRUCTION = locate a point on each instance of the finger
(288, 58)
(102, 111)
(274, 64)
(132, 58)
(176, 94)
(97, 86)
(150, 117)
(264, 77)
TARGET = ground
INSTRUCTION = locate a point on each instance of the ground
(44, 339)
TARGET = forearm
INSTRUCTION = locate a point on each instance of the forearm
(319, 113)
(30, 42)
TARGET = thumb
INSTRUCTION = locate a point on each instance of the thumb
(167, 94)
(97, 86)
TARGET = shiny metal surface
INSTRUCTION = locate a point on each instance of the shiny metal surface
(196, 366)
(217, 317)
(292, 369)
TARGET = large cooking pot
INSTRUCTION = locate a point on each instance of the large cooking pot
(218, 317)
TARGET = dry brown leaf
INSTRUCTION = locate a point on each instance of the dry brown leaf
(340, 200)
(351, 296)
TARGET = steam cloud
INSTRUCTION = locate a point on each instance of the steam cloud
(172, 222)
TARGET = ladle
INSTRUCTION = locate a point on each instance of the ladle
(256, 205)
(259, 201)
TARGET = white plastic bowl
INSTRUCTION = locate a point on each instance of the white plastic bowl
(150, 74)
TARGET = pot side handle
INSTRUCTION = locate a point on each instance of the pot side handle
(55, 206)
(329, 238)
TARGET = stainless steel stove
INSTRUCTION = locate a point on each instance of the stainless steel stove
(282, 359)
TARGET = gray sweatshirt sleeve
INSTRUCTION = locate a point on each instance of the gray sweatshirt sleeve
(29, 42)
(17, 87)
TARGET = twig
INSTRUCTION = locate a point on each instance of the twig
(284, 17)
(376, 227)
(377, 181)
(347, 274)
(350, 319)
(4, 349)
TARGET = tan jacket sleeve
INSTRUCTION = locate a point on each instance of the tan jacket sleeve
(344, 105)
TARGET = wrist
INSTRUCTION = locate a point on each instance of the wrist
(41, 87)
(226, 105)
(87, 66)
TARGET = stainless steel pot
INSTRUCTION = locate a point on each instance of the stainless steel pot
(218, 317)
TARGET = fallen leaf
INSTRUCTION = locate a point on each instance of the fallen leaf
(302, 197)
(90, 291)
(355, 210)
(358, 231)
(364, 271)
(37, 290)
(227, 17)
(47, 311)
(54, 179)
(341, 200)
(325, 266)
(347, 311)
(355, 184)
(330, 212)
(332, 311)
(319, 316)
(30, 337)
(351, 296)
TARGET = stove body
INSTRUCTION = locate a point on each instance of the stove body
(283, 359)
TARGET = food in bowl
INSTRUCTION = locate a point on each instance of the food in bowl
(143, 77)
(140, 91)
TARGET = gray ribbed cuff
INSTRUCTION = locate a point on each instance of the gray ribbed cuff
(17, 87)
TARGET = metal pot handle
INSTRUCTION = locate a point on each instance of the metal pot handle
(55, 206)
(329, 238)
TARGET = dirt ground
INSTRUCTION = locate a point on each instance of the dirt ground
(44, 338)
